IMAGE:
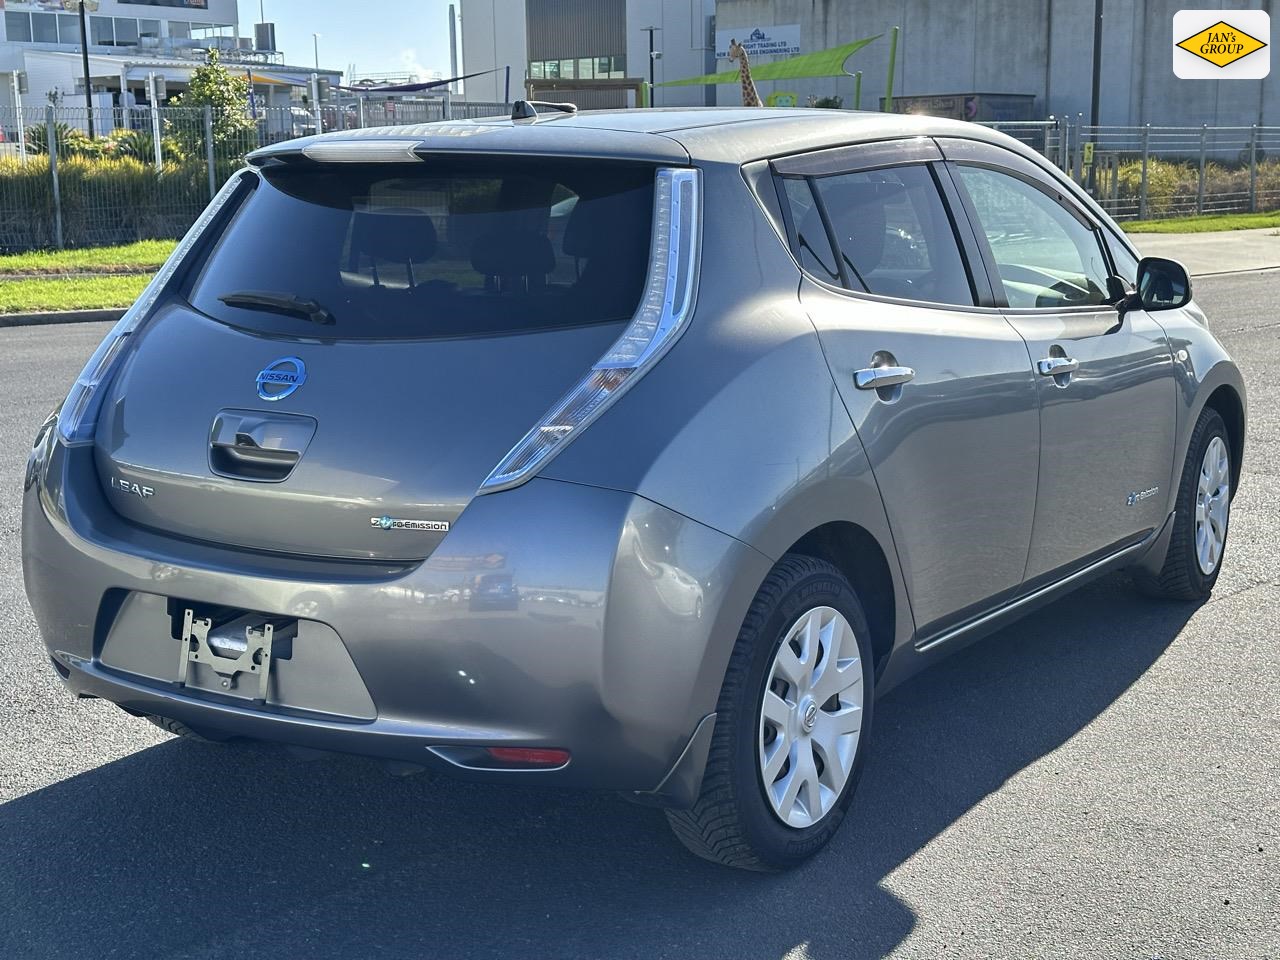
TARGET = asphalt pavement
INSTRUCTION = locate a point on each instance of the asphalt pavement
(1097, 781)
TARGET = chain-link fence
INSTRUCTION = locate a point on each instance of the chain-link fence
(135, 173)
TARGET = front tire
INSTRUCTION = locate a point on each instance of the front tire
(1203, 513)
(791, 724)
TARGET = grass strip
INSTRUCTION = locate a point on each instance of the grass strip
(146, 256)
(1206, 223)
(78, 293)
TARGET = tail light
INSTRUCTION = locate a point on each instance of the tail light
(657, 324)
(78, 416)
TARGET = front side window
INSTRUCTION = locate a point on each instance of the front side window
(894, 235)
(1047, 257)
(1126, 264)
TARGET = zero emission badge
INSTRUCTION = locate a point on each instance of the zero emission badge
(1221, 44)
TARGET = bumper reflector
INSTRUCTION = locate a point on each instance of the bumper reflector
(529, 756)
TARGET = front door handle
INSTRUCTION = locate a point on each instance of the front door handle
(877, 378)
(1057, 366)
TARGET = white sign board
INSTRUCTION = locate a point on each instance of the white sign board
(776, 41)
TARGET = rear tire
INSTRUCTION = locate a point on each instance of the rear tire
(188, 733)
(791, 724)
(1203, 511)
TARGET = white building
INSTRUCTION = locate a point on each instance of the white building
(128, 41)
(594, 52)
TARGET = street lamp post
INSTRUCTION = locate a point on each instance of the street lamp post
(315, 38)
(80, 6)
(652, 59)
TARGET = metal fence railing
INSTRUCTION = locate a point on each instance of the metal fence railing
(147, 174)
(74, 178)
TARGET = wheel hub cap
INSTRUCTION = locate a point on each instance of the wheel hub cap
(810, 717)
(1213, 505)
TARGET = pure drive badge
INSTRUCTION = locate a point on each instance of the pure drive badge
(391, 523)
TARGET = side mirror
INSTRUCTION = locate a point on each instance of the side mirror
(1162, 284)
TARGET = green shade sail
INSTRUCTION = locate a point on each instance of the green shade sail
(823, 63)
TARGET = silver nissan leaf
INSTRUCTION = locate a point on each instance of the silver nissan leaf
(631, 451)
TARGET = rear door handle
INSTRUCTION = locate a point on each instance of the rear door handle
(1056, 366)
(876, 378)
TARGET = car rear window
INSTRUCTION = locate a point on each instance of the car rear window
(450, 247)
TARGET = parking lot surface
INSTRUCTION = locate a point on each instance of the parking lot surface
(1097, 781)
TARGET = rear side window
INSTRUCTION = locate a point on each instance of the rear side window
(457, 247)
(812, 245)
(894, 235)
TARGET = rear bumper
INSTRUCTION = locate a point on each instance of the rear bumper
(601, 652)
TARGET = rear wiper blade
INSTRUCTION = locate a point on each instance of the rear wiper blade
(280, 303)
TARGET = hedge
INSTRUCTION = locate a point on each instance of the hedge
(105, 201)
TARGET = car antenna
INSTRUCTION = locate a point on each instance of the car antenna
(528, 109)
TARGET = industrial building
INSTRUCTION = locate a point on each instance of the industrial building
(129, 40)
(1003, 59)
(594, 52)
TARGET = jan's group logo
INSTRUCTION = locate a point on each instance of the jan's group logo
(1221, 44)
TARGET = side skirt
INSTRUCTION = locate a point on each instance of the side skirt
(994, 620)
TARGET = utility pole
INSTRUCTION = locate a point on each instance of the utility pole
(453, 46)
(653, 56)
(315, 38)
(1095, 102)
(1097, 62)
(84, 56)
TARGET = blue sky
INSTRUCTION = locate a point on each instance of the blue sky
(378, 36)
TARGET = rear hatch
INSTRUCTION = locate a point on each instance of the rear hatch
(364, 342)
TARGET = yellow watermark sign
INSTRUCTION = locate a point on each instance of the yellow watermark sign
(1222, 44)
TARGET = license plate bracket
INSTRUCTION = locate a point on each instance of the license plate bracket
(255, 659)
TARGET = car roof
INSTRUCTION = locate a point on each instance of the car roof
(663, 135)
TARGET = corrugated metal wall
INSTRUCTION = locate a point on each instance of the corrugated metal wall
(565, 29)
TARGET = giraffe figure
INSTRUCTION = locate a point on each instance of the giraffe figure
(750, 98)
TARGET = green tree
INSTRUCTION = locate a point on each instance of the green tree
(234, 131)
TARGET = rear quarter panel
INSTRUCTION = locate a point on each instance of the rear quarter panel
(740, 426)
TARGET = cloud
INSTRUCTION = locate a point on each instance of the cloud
(411, 64)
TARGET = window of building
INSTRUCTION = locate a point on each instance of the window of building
(536, 71)
(44, 28)
(68, 29)
(101, 32)
(566, 70)
(553, 69)
(587, 69)
(126, 32)
(149, 28)
(17, 27)
(179, 30)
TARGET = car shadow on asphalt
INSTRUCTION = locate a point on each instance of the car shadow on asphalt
(193, 850)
